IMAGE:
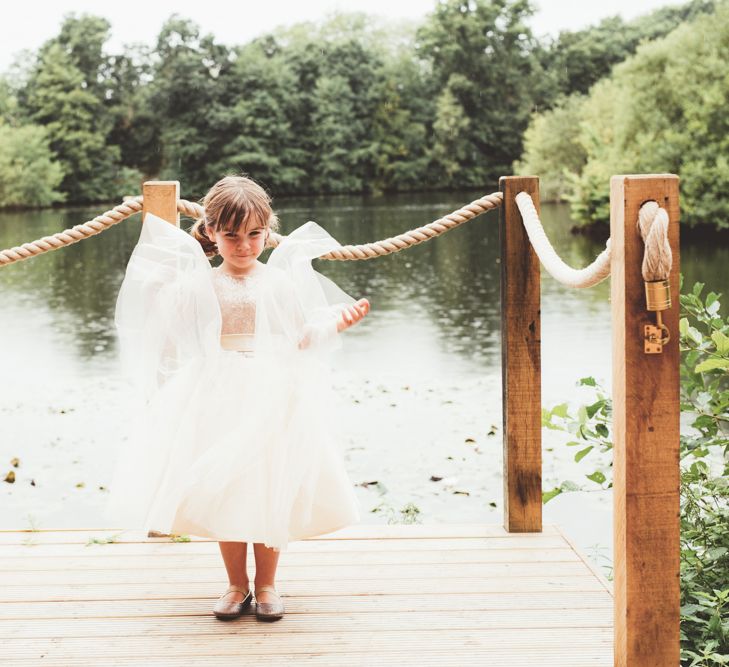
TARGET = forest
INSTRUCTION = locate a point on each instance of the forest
(356, 105)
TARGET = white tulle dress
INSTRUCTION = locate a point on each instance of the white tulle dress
(233, 436)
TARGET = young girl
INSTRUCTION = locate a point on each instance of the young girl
(233, 437)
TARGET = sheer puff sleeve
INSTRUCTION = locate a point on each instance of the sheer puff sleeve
(313, 303)
(167, 312)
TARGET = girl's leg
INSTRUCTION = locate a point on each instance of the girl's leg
(266, 563)
(234, 557)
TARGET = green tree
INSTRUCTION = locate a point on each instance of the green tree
(260, 86)
(136, 129)
(576, 60)
(663, 110)
(552, 148)
(398, 139)
(187, 97)
(451, 140)
(29, 176)
(66, 94)
(490, 48)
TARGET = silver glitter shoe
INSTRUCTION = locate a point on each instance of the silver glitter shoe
(225, 609)
(269, 611)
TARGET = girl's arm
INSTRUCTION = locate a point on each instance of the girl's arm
(348, 318)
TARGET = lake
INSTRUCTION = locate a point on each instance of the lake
(419, 379)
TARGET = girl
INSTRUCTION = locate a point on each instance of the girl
(234, 438)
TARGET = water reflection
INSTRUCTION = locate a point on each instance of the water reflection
(419, 377)
(444, 293)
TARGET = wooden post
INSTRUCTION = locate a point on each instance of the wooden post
(521, 387)
(160, 199)
(645, 438)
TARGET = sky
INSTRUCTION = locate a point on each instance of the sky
(31, 23)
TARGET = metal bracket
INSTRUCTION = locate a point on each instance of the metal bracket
(652, 339)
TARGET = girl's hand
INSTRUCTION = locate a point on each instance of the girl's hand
(353, 314)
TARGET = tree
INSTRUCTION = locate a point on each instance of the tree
(576, 60)
(187, 97)
(29, 176)
(65, 93)
(663, 110)
(552, 148)
(488, 45)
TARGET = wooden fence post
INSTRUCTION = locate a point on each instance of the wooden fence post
(160, 199)
(645, 438)
(521, 387)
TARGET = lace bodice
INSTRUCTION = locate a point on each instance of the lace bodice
(237, 298)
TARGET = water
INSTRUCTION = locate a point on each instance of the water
(419, 379)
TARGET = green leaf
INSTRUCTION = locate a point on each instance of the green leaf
(582, 414)
(560, 410)
(587, 382)
(593, 409)
(713, 309)
(582, 453)
(683, 326)
(695, 335)
(596, 476)
(721, 341)
(548, 495)
(711, 365)
(697, 288)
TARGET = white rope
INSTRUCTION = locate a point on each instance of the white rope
(653, 226)
(552, 262)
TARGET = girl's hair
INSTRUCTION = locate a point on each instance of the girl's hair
(233, 201)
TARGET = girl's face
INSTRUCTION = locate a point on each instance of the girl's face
(241, 249)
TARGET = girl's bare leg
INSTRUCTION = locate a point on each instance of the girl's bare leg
(266, 563)
(234, 557)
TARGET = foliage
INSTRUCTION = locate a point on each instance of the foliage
(662, 110)
(29, 175)
(64, 94)
(483, 63)
(552, 149)
(576, 60)
(704, 456)
(356, 104)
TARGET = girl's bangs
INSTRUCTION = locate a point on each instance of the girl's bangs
(239, 213)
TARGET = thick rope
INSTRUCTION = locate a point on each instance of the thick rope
(78, 233)
(653, 226)
(588, 277)
(133, 205)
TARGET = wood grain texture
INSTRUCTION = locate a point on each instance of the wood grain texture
(520, 362)
(160, 199)
(646, 472)
(398, 607)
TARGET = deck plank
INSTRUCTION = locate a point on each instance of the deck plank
(388, 595)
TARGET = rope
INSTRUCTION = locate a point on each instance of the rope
(133, 205)
(653, 226)
(78, 233)
(588, 277)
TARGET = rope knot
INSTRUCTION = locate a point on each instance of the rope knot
(653, 226)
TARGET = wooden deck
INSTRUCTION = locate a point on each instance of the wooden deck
(367, 595)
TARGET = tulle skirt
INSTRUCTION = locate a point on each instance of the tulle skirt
(237, 447)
